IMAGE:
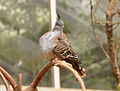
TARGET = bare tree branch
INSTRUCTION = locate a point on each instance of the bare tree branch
(5, 81)
(93, 28)
(110, 38)
(97, 21)
(116, 26)
(41, 74)
(8, 77)
(62, 64)
(19, 83)
(116, 23)
(100, 6)
(65, 65)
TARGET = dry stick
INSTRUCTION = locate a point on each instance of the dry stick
(5, 81)
(100, 6)
(8, 77)
(116, 26)
(116, 23)
(41, 74)
(97, 21)
(62, 64)
(100, 44)
(110, 38)
(65, 65)
(19, 83)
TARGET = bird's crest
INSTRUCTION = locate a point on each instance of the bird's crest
(59, 21)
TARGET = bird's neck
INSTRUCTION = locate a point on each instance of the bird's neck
(57, 28)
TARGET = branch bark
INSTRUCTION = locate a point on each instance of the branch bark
(33, 86)
(8, 77)
(5, 81)
(110, 39)
(19, 83)
(65, 65)
(41, 74)
(93, 28)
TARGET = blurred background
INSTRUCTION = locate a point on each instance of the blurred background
(22, 22)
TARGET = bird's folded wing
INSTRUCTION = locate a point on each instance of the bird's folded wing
(63, 49)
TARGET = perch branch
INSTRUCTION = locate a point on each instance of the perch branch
(8, 77)
(100, 6)
(65, 65)
(5, 81)
(60, 64)
(19, 83)
(41, 74)
(93, 28)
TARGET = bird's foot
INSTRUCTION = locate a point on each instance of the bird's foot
(70, 65)
(54, 60)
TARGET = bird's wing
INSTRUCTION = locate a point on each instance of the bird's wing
(63, 49)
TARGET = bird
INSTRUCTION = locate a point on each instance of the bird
(54, 44)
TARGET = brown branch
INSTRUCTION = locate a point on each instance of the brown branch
(8, 77)
(116, 26)
(19, 83)
(65, 65)
(5, 81)
(98, 21)
(60, 64)
(93, 28)
(41, 74)
(116, 23)
(110, 38)
(100, 6)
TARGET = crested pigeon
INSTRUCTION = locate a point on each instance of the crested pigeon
(54, 44)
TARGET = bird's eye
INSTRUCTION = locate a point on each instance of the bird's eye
(58, 24)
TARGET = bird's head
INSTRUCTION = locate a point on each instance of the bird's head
(59, 21)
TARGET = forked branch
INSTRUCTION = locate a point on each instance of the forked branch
(93, 28)
(111, 55)
(41, 74)
(33, 86)
(58, 63)
(65, 65)
(5, 81)
(100, 6)
(8, 77)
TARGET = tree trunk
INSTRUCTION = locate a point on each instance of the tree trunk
(110, 39)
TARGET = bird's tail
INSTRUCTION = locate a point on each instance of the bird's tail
(75, 63)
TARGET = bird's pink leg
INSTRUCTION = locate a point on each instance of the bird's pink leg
(54, 60)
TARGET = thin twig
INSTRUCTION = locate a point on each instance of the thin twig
(116, 26)
(65, 65)
(5, 81)
(41, 74)
(93, 28)
(100, 6)
(117, 12)
(98, 21)
(8, 77)
(116, 23)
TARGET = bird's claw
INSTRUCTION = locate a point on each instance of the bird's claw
(54, 60)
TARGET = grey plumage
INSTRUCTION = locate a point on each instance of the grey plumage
(54, 44)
